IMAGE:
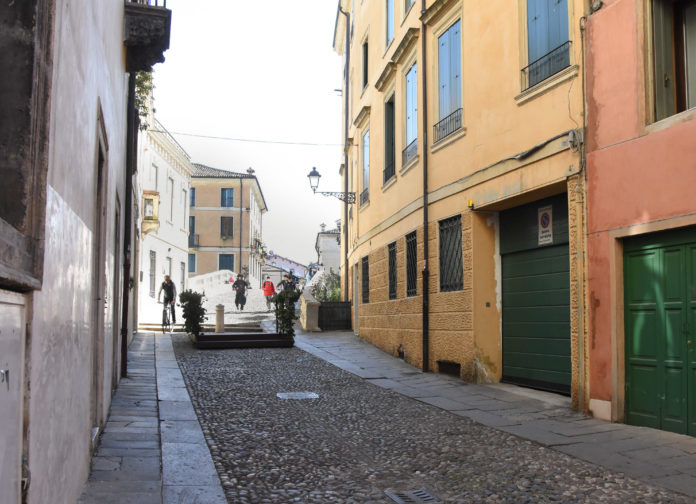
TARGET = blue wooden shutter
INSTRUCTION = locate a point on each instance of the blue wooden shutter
(558, 23)
(366, 160)
(455, 67)
(411, 105)
(444, 74)
(536, 29)
(390, 20)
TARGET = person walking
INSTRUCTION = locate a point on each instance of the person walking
(268, 291)
(240, 286)
(286, 284)
(169, 295)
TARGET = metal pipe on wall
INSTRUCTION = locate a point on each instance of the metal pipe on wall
(346, 93)
(426, 269)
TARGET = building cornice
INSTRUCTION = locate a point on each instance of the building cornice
(407, 41)
(437, 9)
(364, 113)
(386, 76)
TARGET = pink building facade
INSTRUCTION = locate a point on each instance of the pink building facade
(641, 222)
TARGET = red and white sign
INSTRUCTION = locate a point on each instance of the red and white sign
(545, 225)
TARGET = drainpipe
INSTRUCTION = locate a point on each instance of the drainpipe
(131, 145)
(426, 269)
(346, 93)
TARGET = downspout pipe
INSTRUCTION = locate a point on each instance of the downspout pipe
(426, 252)
(131, 158)
(346, 95)
(241, 222)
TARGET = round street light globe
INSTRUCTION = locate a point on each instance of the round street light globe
(314, 177)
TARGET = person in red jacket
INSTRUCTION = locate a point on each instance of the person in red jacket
(268, 291)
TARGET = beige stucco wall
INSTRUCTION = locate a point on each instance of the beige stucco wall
(481, 164)
(88, 75)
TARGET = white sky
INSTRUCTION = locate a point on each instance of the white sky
(261, 70)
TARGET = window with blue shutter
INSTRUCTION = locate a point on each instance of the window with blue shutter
(192, 263)
(365, 194)
(226, 262)
(193, 196)
(226, 197)
(449, 82)
(390, 21)
(548, 47)
(411, 116)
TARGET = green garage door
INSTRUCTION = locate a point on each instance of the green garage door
(536, 295)
(660, 322)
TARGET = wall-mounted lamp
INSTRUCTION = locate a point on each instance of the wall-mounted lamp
(314, 176)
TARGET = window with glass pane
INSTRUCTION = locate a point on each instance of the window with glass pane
(449, 70)
(674, 43)
(226, 227)
(193, 196)
(451, 268)
(390, 20)
(411, 264)
(365, 194)
(153, 265)
(226, 197)
(392, 270)
(226, 262)
(407, 5)
(411, 116)
(365, 51)
(389, 145)
(192, 263)
(547, 39)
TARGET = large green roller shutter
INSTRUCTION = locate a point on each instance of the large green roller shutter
(660, 323)
(536, 297)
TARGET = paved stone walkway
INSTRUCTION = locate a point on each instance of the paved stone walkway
(153, 449)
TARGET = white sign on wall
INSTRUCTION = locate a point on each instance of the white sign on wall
(545, 225)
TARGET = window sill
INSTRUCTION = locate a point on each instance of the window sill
(364, 206)
(667, 122)
(389, 183)
(551, 82)
(448, 140)
(413, 162)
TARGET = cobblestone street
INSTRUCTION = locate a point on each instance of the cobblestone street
(357, 440)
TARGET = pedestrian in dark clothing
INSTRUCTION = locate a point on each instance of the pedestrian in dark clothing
(240, 286)
(286, 284)
(169, 290)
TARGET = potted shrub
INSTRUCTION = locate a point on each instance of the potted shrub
(285, 312)
(194, 312)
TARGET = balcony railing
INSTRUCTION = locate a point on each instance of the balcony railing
(447, 126)
(549, 64)
(389, 171)
(194, 241)
(154, 3)
(364, 196)
(409, 152)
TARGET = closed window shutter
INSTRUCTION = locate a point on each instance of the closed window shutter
(455, 67)
(366, 160)
(536, 29)
(411, 108)
(444, 74)
(558, 23)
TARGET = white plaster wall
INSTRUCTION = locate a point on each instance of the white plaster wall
(88, 71)
(329, 253)
(156, 164)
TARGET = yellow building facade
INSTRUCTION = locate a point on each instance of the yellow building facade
(464, 149)
(226, 222)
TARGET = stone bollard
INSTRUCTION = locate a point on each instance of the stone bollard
(220, 318)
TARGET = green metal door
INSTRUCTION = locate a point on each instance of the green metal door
(660, 321)
(536, 297)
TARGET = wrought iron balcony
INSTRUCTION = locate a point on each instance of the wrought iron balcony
(546, 66)
(364, 196)
(194, 241)
(146, 33)
(409, 152)
(447, 126)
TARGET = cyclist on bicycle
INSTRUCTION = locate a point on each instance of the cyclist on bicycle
(169, 295)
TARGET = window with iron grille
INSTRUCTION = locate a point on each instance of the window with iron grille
(451, 268)
(411, 264)
(366, 279)
(392, 270)
(226, 227)
(548, 47)
(226, 197)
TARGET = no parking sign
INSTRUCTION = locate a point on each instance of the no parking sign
(545, 225)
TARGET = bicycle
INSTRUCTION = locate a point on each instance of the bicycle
(166, 321)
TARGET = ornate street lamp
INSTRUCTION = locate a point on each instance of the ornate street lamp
(314, 176)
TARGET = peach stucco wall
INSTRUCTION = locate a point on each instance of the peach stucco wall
(638, 173)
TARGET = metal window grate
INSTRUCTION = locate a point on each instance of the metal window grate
(366, 279)
(413, 497)
(447, 126)
(364, 196)
(549, 64)
(392, 270)
(409, 152)
(451, 269)
(411, 264)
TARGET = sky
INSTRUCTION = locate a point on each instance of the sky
(260, 70)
